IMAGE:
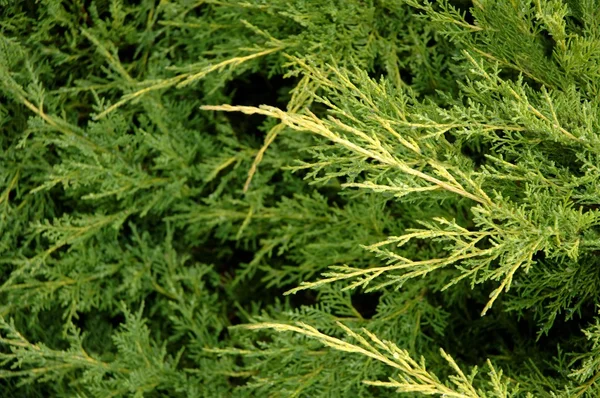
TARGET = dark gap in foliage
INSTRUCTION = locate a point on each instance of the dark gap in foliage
(538, 256)
(225, 256)
(378, 71)
(332, 194)
(407, 77)
(366, 303)
(58, 31)
(98, 324)
(254, 90)
(431, 43)
(476, 149)
(464, 6)
(548, 43)
(234, 317)
(83, 15)
(574, 19)
(319, 109)
(502, 337)
(473, 338)
(331, 189)
(302, 298)
(11, 388)
(277, 178)
(116, 319)
(564, 157)
(224, 334)
(567, 329)
(252, 292)
(30, 8)
(138, 122)
(199, 9)
(79, 115)
(252, 289)
(511, 74)
(465, 218)
(102, 8)
(63, 204)
(137, 3)
(12, 195)
(41, 326)
(450, 137)
(585, 207)
(239, 380)
(127, 52)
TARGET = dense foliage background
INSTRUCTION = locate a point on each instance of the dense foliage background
(299, 198)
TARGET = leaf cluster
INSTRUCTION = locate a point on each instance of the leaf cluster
(299, 198)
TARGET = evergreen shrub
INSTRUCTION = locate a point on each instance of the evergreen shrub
(299, 198)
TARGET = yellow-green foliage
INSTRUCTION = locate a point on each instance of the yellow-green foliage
(299, 198)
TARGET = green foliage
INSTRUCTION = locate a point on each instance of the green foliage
(299, 198)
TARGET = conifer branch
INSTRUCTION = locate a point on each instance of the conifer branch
(431, 161)
(311, 123)
(414, 376)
